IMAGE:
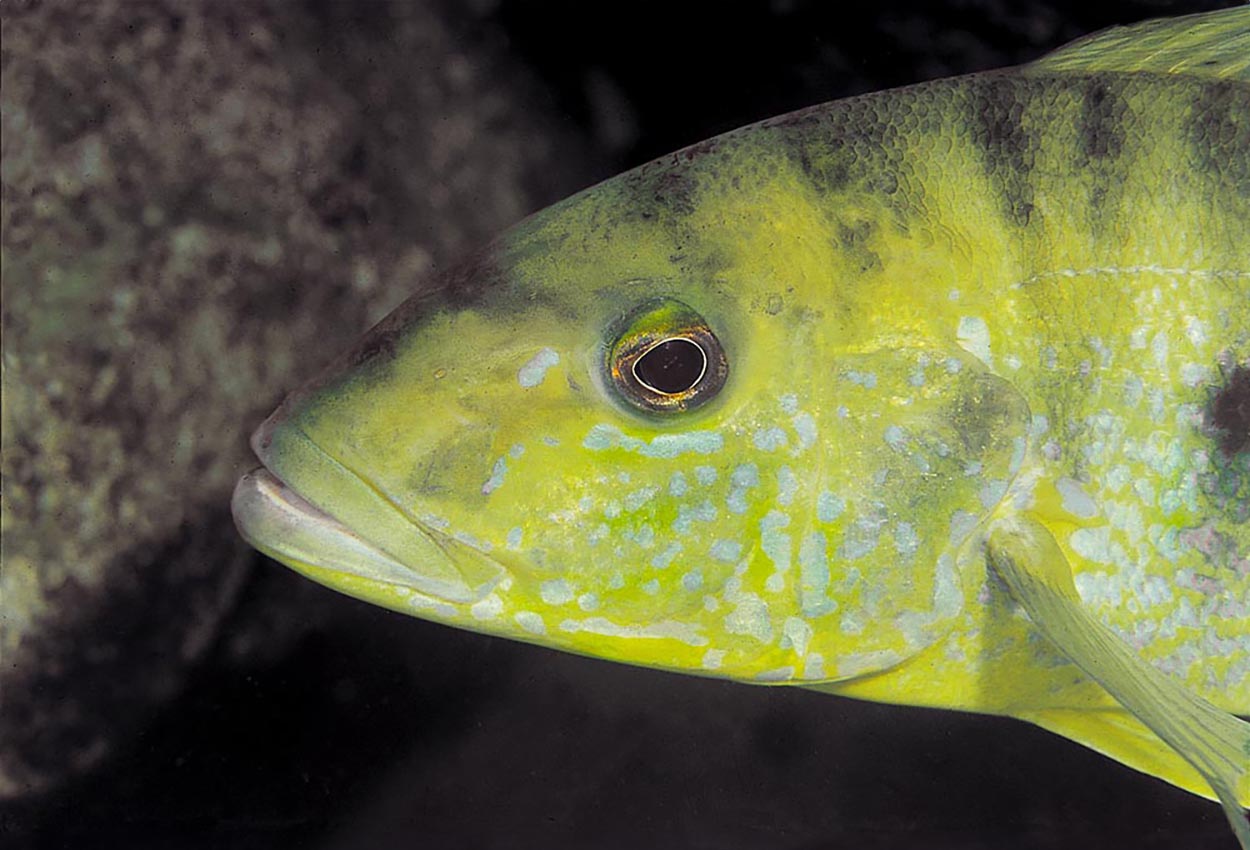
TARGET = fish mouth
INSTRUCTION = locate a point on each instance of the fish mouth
(309, 511)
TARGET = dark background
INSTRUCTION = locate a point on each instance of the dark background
(312, 720)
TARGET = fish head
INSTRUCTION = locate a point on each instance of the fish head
(648, 425)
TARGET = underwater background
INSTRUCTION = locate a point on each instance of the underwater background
(202, 203)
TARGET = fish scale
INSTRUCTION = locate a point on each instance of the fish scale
(969, 428)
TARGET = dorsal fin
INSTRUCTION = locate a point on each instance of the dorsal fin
(1214, 45)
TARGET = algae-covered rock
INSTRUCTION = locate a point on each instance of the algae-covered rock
(202, 202)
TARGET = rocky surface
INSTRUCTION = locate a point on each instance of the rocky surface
(202, 202)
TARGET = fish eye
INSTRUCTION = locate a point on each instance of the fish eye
(665, 358)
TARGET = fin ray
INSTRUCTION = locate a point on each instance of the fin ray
(1214, 45)
(1215, 743)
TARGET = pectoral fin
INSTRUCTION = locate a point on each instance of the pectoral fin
(1215, 743)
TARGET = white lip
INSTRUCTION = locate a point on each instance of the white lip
(279, 522)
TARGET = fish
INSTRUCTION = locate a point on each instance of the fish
(936, 396)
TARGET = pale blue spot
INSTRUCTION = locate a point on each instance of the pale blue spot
(972, 467)
(953, 365)
(488, 608)
(829, 506)
(1134, 390)
(773, 541)
(779, 674)
(843, 411)
(814, 576)
(895, 437)
(745, 475)
(612, 509)
(861, 537)
(726, 550)
(992, 492)
(805, 429)
(1170, 502)
(867, 380)
(588, 602)
(665, 446)
(645, 537)
(692, 580)
(1194, 374)
(787, 485)
(651, 588)
(496, 477)
(769, 439)
(705, 475)
(469, 540)
(517, 450)
(669, 446)
(535, 371)
(531, 622)
(906, 540)
(677, 486)
(1074, 499)
(585, 503)
(850, 578)
(555, 592)
(551, 441)
(1094, 544)
(962, 524)
(638, 498)
(598, 533)
(662, 560)
(600, 437)
(514, 538)
(796, 633)
(1018, 446)
(622, 477)
(617, 581)
(686, 515)
(790, 403)
(749, 617)
(1159, 348)
(973, 336)
(916, 378)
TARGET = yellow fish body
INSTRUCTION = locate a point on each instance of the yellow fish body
(937, 396)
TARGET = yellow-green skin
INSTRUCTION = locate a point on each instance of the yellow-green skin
(1011, 293)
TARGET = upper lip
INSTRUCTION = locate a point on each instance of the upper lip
(284, 521)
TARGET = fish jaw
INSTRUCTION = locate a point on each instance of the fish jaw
(312, 513)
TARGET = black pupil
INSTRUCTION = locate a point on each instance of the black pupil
(671, 367)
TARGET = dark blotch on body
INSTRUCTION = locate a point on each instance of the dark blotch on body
(1101, 138)
(1101, 128)
(1220, 134)
(854, 239)
(462, 285)
(1007, 148)
(1229, 413)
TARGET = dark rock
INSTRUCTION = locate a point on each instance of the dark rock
(202, 203)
